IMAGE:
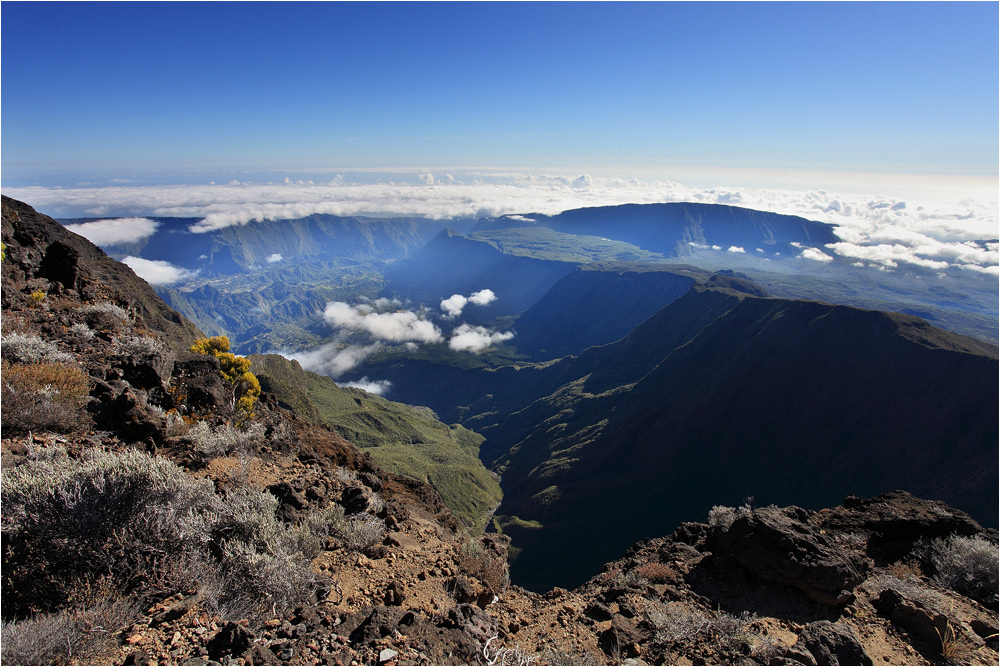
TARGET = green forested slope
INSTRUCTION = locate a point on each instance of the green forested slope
(403, 439)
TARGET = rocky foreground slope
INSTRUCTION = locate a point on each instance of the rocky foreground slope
(146, 519)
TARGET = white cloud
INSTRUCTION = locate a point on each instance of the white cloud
(885, 255)
(396, 327)
(157, 272)
(471, 338)
(380, 387)
(275, 257)
(816, 254)
(119, 230)
(333, 359)
(482, 297)
(735, 248)
(453, 305)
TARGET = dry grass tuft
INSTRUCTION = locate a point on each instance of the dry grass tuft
(44, 396)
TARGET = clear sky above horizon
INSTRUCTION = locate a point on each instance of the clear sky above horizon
(113, 87)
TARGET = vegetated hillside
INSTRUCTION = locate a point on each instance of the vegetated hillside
(402, 439)
(722, 394)
(598, 304)
(258, 243)
(671, 228)
(148, 519)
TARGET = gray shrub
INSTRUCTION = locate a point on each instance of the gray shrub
(154, 527)
(21, 348)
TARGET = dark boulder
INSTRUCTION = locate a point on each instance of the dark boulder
(232, 640)
(895, 521)
(923, 621)
(826, 643)
(202, 387)
(781, 546)
(472, 621)
(624, 638)
(148, 371)
(380, 622)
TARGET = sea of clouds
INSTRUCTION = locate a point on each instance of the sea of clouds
(928, 222)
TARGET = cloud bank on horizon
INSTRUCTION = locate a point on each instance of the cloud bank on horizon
(924, 226)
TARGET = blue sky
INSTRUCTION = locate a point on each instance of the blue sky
(121, 88)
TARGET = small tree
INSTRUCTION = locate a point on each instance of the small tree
(235, 369)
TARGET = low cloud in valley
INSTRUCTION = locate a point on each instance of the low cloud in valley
(398, 327)
(380, 387)
(470, 338)
(455, 304)
(157, 272)
(119, 230)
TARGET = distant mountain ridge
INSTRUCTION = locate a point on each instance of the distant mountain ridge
(258, 243)
(671, 228)
(455, 264)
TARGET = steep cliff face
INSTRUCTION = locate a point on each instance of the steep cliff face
(725, 395)
(456, 264)
(595, 305)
